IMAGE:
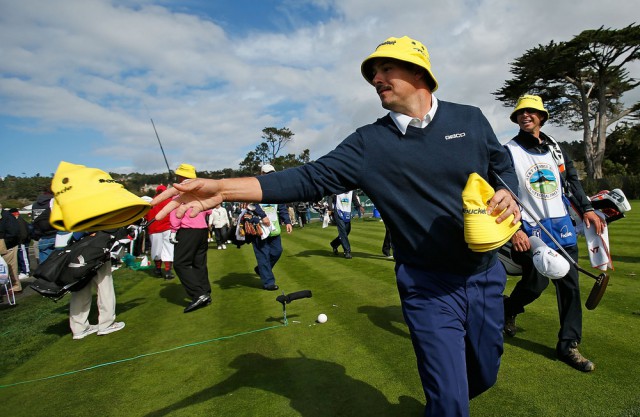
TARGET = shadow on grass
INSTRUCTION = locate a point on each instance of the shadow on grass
(542, 350)
(314, 387)
(173, 292)
(328, 254)
(237, 280)
(388, 318)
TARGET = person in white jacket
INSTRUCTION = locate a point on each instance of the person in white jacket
(219, 225)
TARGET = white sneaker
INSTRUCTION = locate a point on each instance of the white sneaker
(224, 246)
(115, 326)
(22, 276)
(219, 247)
(89, 330)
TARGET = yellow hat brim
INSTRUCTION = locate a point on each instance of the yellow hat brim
(88, 199)
(481, 232)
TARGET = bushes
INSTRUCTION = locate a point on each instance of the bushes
(629, 184)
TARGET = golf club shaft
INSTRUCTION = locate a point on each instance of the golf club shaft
(544, 229)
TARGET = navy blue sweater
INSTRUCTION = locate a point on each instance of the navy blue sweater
(414, 180)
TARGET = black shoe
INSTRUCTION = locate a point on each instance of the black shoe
(168, 275)
(158, 272)
(202, 301)
(574, 358)
(347, 255)
(510, 326)
(335, 249)
(271, 287)
(256, 270)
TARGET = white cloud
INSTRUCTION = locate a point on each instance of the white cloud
(109, 66)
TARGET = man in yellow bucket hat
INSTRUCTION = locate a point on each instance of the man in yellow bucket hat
(545, 172)
(413, 163)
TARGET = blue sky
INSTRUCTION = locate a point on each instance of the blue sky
(81, 79)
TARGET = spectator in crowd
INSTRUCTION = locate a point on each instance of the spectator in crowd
(43, 232)
(302, 208)
(342, 206)
(80, 303)
(269, 250)
(219, 225)
(159, 233)
(9, 242)
(24, 269)
(190, 236)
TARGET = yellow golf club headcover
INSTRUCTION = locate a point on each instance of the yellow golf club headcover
(481, 232)
(88, 200)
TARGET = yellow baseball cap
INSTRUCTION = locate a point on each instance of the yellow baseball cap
(88, 200)
(186, 171)
(529, 101)
(403, 49)
(481, 232)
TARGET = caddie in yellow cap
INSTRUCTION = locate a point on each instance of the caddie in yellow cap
(544, 172)
(413, 163)
(530, 104)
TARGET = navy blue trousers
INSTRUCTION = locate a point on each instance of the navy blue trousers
(267, 253)
(456, 328)
(344, 228)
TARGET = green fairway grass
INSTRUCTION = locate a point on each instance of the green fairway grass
(237, 357)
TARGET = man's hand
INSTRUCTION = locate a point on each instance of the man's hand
(289, 228)
(201, 194)
(520, 241)
(502, 203)
(591, 218)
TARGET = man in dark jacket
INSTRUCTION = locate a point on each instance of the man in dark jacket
(23, 247)
(9, 240)
(43, 232)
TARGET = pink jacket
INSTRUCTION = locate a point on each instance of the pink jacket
(188, 222)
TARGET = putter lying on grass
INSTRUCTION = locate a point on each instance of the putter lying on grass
(602, 280)
(286, 299)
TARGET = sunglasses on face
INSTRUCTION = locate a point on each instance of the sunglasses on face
(528, 110)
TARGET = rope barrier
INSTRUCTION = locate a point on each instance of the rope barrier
(144, 355)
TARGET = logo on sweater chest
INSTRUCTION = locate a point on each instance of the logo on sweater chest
(455, 136)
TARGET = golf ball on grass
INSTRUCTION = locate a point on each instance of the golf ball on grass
(322, 318)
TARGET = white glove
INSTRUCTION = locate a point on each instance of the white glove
(172, 238)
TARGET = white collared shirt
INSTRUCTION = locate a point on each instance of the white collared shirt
(402, 121)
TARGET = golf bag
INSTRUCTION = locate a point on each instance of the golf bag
(249, 226)
(613, 204)
(71, 268)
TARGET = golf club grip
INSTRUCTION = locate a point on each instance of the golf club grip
(299, 294)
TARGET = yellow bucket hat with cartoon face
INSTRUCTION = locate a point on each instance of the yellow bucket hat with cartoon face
(403, 49)
(88, 200)
(481, 232)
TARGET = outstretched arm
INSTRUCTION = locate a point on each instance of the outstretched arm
(202, 194)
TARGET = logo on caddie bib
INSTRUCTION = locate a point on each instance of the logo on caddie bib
(541, 181)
